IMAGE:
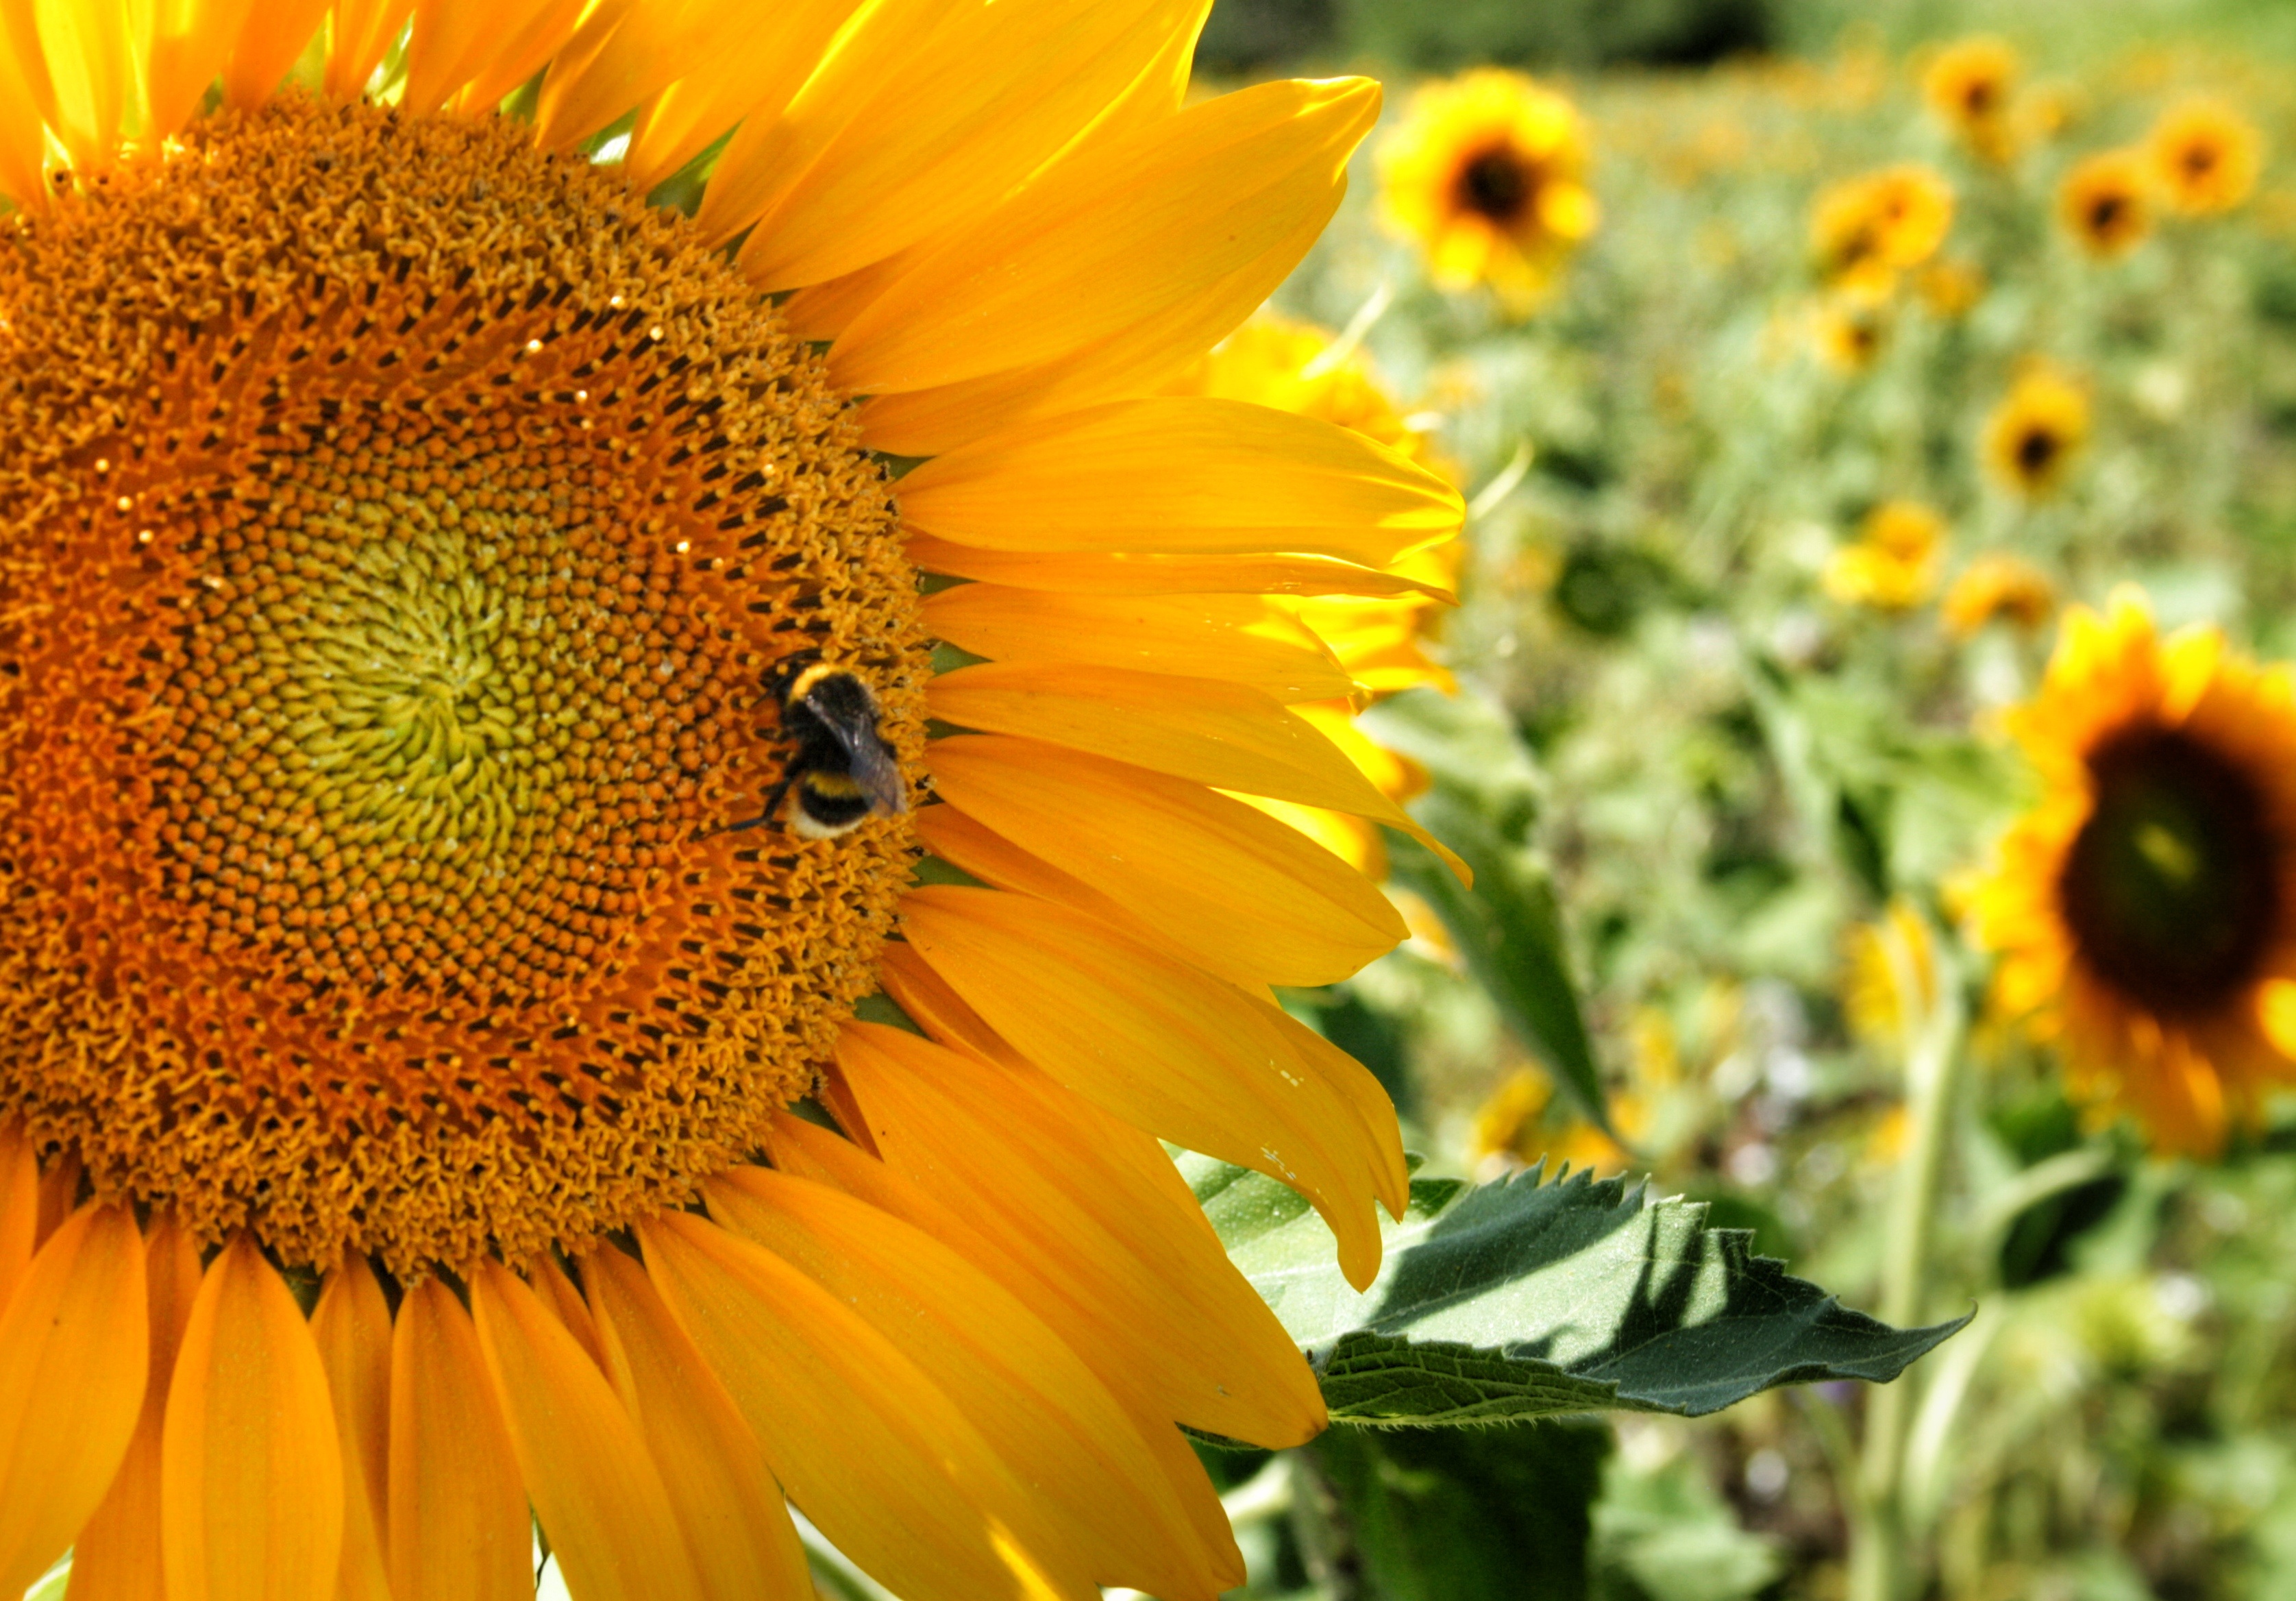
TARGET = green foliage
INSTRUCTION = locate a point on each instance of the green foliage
(1524, 1298)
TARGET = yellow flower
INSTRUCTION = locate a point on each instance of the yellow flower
(2035, 432)
(2103, 205)
(1970, 86)
(1511, 1130)
(1868, 229)
(1488, 173)
(1893, 565)
(426, 563)
(2143, 909)
(2205, 157)
(1849, 331)
(1949, 288)
(1890, 974)
(1997, 586)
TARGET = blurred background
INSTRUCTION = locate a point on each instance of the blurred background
(1777, 507)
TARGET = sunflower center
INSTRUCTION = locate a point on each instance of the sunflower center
(399, 532)
(2105, 212)
(2036, 449)
(2171, 888)
(1496, 184)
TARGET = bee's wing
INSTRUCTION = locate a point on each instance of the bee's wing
(841, 706)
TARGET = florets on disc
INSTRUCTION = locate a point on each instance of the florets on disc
(396, 528)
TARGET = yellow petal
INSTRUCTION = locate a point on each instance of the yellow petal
(1089, 1471)
(993, 92)
(23, 139)
(189, 40)
(1211, 636)
(737, 1527)
(1163, 1047)
(596, 1492)
(1157, 573)
(351, 1328)
(1223, 735)
(1211, 874)
(74, 1349)
(251, 1468)
(58, 1195)
(1122, 234)
(454, 43)
(866, 1445)
(269, 46)
(1183, 474)
(117, 1556)
(1085, 1218)
(85, 43)
(457, 1526)
(19, 1206)
(359, 34)
(565, 1301)
(756, 58)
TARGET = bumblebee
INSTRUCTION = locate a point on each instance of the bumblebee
(841, 770)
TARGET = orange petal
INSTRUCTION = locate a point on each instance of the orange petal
(932, 147)
(1089, 1471)
(1209, 873)
(250, 1467)
(19, 1206)
(1183, 474)
(737, 1526)
(273, 37)
(189, 40)
(1163, 1047)
(453, 43)
(1158, 573)
(23, 139)
(58, 1195)
(351, 1328)
(457, 1526)
(74, 1353)
(359, 34)
(867, 1444)
(117, 1556)
(1123, 233)
(1227, 736)
(1089, 1222)
(89, 72)
(1241, 638)
(565, 1301)
(596, 1492)
(746, 75)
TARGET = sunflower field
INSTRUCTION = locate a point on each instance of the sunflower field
(1092, 800)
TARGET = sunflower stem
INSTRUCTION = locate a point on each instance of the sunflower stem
(1880, 1537)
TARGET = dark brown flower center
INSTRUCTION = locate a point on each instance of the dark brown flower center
(1498, 184)
(2172, 887)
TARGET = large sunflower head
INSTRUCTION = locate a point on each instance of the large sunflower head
(2033, 436)
(2103, 205)
(1970, 86)
(2205, 156)
(472, 734)
(2145, 911)
(1487, 172)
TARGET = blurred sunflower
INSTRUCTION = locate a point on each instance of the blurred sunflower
(1889, 975)
(2005, 586)
(1487, 172)
(1380, 640)
(1970, 86)
(1867, 229)
(2145, 909)
(1849, 331)
(1950, 289)
(2033, 435)
(2205, 156)
(1893, 565)
(413, 536)
(2103, 205)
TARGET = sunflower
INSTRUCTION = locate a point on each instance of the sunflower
(2103, 205)
(1488, 173)
(1950, 289)
(2145, 911)
(1892, 565)
(420, 549)
(2205, 156)
(1889, 975)
(1380, 641)
(2033, 435)
(1848, 330)
(1970, 86)
(1867, 229)
(1996, 586)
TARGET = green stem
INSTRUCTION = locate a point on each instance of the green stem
(1880, 1542)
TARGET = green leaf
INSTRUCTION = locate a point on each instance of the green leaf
(1524, 1298)
(1508, 928)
